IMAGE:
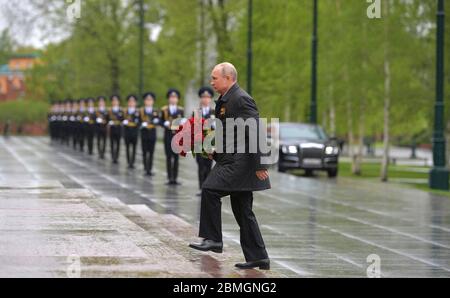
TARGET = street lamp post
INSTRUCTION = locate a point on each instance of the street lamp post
(202, 43)
(249, 47)
(141, 48)
(439, 175)
(313, 108)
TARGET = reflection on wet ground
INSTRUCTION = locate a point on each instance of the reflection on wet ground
(312, 227)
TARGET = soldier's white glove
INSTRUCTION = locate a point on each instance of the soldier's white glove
(111, 122)
(144, 124)
(167, 124)
(155, 121)
(125, 122)
(99, 120)
(86, 119)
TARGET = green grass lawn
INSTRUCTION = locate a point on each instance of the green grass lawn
(371, 171)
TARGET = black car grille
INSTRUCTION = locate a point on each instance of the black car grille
(311, 153)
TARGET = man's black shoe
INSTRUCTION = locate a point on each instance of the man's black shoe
(207, 245)
(263, 264)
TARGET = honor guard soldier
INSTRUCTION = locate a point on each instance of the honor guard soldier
(101, 122)
(73, 123)
(131, 123)
(115, 118)
(168, 115)
(149, 120)
(59, 122)
(89, 121)
(204, 164)
(66, 124)
(81, 118)
(51, 118)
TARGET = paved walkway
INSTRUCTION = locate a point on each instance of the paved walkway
(313, 227)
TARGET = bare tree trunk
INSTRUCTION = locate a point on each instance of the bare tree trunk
(202, 43)
(357, 161)
(350, 130)
(220, 19)
(115, 74)
(387, 100)
(287, 112)
(325, 118)
(332, 119)
(385, 159)
(331, 109)
(349, 103)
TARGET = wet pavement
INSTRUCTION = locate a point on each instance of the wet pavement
(55, 202)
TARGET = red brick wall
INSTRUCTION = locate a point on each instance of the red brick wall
(33, 129)
(12, 92)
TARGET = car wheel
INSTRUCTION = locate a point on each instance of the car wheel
(332, 173)
(308, 173)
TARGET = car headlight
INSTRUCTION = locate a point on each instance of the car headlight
(292, 149)
(331, 150)
(289, 149)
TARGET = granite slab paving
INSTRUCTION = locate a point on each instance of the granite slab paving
(313, 227)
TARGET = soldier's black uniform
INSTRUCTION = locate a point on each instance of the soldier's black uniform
(74, 123)
(168, 115)
(66, 123)
(101, 127)
(59, 122)
(81, 125)
(89, 125)
(51, 119)
(131, 130)
(115, 118)
(150, 118)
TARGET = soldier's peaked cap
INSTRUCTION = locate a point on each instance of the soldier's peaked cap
(153, 95)
(204, 91)
(129, 97)
(173, 92)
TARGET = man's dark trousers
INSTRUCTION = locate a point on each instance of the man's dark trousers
(252, 242)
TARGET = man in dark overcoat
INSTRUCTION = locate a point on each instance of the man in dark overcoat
(235, 174)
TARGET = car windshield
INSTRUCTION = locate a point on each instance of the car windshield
(302, 132)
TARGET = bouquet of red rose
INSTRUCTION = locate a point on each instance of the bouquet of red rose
(196, 131)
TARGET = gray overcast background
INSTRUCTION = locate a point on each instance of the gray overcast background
(28, 28)
(16, 15)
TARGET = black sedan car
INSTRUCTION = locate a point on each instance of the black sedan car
(307, 146)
